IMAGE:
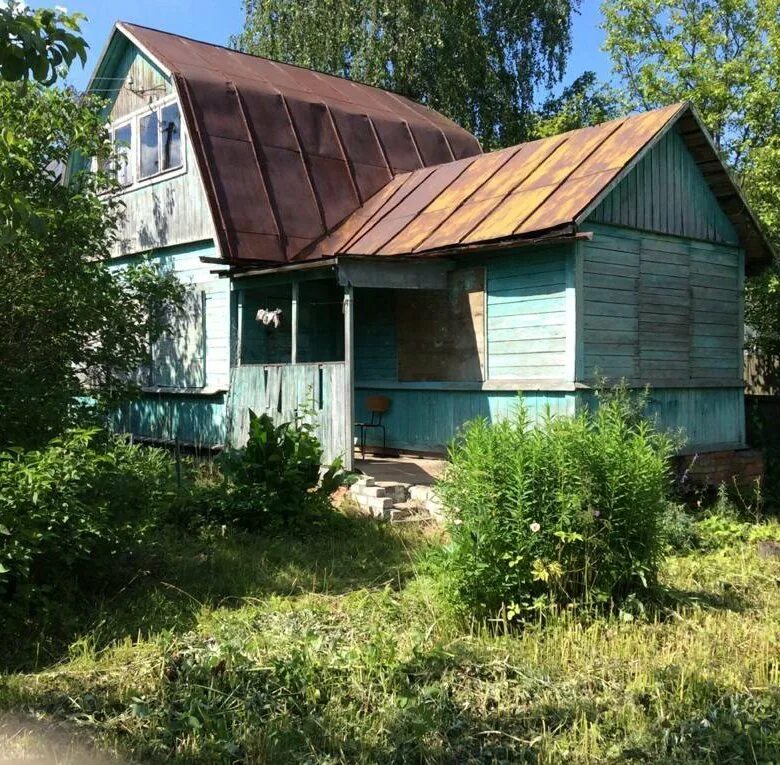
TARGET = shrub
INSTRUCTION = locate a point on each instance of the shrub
(67, 511)
(274, 479)
(569, 511)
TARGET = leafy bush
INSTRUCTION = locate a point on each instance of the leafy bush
(679, 528)
(67, 511)
(571, 510)
(274, 479)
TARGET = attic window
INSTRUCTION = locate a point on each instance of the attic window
(123, 141)
(148, 143)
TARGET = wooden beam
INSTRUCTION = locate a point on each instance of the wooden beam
(349, 376)
(294, 324)
(404, 275)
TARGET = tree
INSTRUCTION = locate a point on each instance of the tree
(721, 54)
(36, 43)
(480, 62)
(724, 55)
(72, 326)
(584, 103)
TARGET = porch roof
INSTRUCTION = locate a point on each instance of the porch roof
(535, 190)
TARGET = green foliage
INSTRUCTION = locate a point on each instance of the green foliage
(71, 326)
(480, 62)
(275, 479)
(69, 510)
(583, 103)
(332, 647)
(679, 528)
(36, 43)
(569, 511)
(666, 51)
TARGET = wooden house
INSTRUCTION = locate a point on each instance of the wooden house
(341, 242)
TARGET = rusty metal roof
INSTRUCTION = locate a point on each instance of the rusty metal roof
(540, 188)
(286, 153)
(522, 191)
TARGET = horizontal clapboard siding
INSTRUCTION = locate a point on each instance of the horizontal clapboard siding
(660, 310)
(428, 420)
(667, 193)
(529, 317)
(610, 315)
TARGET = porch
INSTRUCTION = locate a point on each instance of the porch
(316, 343)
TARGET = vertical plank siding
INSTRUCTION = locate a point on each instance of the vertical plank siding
(705, 419)
(132, 81)
(172, 210)
(528, 315)
(287, 392)
(667, 193)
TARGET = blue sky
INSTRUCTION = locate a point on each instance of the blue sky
(216, 21)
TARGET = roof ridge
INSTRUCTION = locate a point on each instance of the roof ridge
(283, 63)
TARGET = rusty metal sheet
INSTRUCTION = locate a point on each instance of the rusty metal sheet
(578, 146)
(521, 191)
(566, 202)
(345, 135)
(623, 144)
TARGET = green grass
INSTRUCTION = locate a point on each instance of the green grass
(334, 647)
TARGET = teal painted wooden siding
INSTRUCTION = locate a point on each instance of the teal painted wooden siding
(171, 210)
(168, 413)
(706, 419)
(667, 193)
(661, 310)
(195, 420)
(427, 419)
(529, 315)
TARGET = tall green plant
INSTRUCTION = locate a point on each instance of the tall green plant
(275, 478)
(69, 509)
(569, 511)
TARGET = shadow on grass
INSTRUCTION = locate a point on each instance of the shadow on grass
(177, 576)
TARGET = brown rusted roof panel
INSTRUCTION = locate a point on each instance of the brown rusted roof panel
(348, 140)
(523, 191)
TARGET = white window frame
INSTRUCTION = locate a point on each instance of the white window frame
(134, 120)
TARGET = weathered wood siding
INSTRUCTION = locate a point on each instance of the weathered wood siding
(192, 419)
(661, 310)
(191, 367)
(530, 295)
(427, 418)
(706, 419)
(170, 210)
(667, 193)
(286, 392)
(133, 82)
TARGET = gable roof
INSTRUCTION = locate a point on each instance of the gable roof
(538, 189)
(287, 153)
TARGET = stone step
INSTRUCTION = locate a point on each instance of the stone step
(379, 507)
(363, 490)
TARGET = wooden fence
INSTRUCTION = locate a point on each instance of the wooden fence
(285, 392)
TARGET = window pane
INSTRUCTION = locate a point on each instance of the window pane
(150, 135)
(123, 138)
(170, 131)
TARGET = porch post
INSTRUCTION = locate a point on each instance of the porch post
(349, 376)
(294, 324)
